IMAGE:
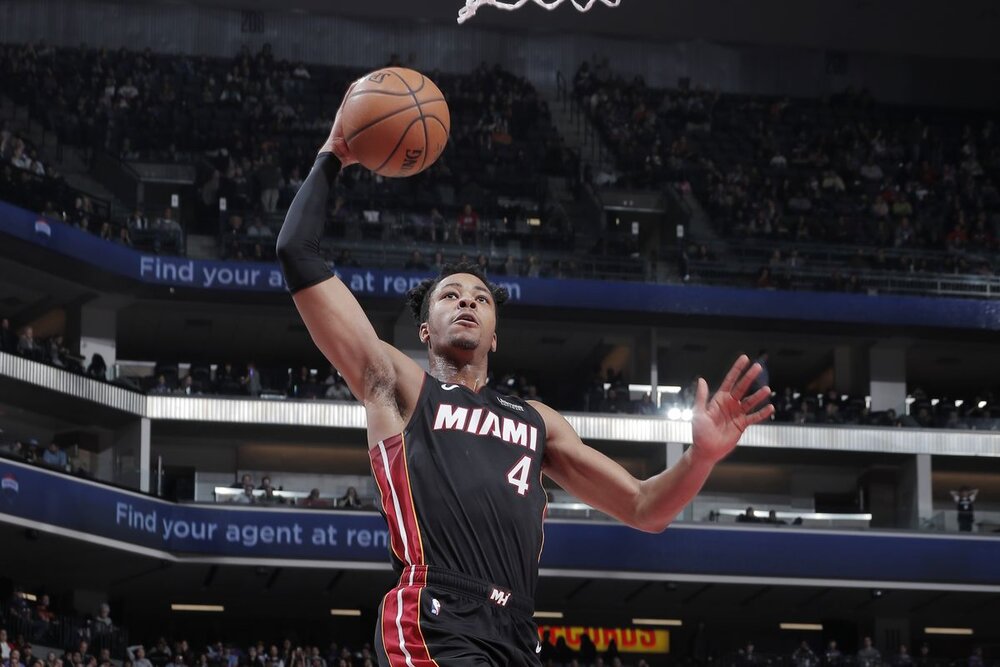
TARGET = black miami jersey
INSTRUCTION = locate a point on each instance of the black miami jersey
(461, 487)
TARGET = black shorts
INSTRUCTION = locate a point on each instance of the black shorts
(439, 618)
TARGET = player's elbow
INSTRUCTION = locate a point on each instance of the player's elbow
(648, 523)
(654, 526)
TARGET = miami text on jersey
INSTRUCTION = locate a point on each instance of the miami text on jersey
(480, 421)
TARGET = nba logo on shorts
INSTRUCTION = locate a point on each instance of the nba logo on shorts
(435, 606)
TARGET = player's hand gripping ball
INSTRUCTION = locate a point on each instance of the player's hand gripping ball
(395, 121)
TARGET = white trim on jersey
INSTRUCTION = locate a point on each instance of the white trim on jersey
(398, 512)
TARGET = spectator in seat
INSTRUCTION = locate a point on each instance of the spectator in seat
(468, 226)
(247, 497)
(137, 654)
(251, 381)
(313, 500)
(5, 646)
(44, 618)
(258, 230)
(138, 223)
(833, 656)
(98, 368)
(868, 655)
(803, 655)
(14, 659)
(350, 500)
(160, 654)
(161, 386)
(168, 231)
(748, 517)
(8, 339)
(102, 622)
(964, 504)
(28, 347)
(416, 262)
(269, 181)
(903, 658)
(187, 387)
(269, 498)
(336, 388)
(55, 457)
(124, 237)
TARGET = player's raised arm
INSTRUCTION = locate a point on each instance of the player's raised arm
(335, 320)
(652, 504)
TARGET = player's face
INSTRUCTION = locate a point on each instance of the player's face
(461, 315)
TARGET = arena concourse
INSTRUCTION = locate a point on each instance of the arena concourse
(185, 481)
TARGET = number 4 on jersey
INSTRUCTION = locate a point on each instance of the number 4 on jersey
(518, 475)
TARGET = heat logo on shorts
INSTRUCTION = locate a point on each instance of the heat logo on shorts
(499, 597)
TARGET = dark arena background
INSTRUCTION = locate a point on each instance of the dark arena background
(661, 185)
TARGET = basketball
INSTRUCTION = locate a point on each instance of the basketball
(396, 122)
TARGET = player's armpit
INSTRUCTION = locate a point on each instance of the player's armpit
(587, 473)
(342, 332)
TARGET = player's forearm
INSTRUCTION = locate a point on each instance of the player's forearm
(298, 245)
(663, 496)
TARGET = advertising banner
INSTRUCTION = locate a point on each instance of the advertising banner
(572, 294)
(115, 517)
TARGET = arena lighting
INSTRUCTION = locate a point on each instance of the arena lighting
(674, 414)
(935, 401)
(948, 631)
(345, 612)
(662, 389)
(548, 614)
(958, 402)
(686, 414)
(196, 607)
(982, 404)
(801, 626)
(30, 597)
(910, 400)
(675, 622)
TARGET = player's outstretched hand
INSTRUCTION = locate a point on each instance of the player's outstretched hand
(336, 143)
(719, 422)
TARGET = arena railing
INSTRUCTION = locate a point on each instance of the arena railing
(64, 632)
(983, 287)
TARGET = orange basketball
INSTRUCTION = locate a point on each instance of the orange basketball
(396, 122)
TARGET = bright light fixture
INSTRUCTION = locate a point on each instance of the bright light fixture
(948, 631)
(801, 626)
(674, 414)
(675, 622)
(196, 607)
(345, 612)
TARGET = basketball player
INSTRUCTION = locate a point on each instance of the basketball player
(458, 466)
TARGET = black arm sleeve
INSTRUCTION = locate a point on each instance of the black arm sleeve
(298, 242)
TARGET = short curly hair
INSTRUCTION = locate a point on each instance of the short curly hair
(417, 298)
